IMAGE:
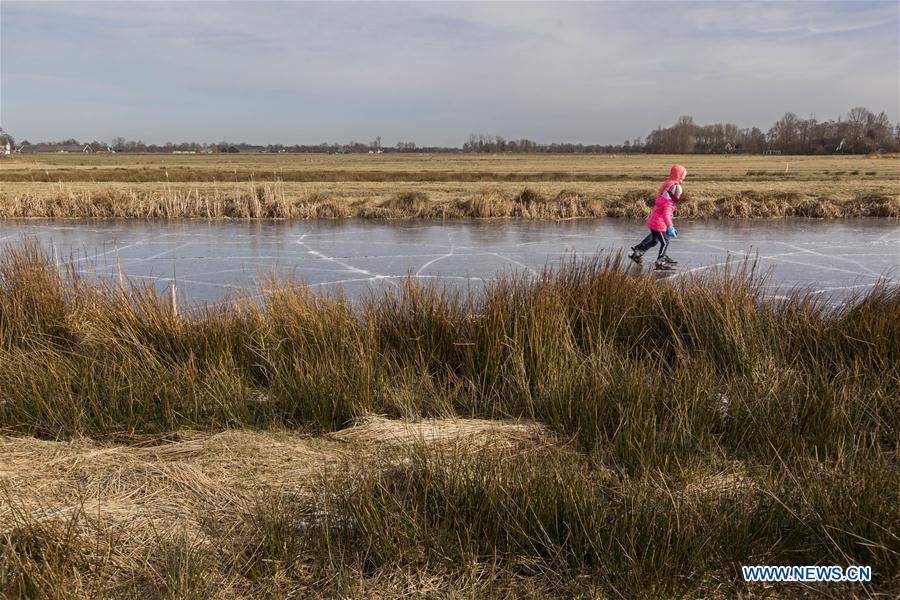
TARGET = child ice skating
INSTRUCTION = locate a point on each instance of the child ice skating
(660, 221)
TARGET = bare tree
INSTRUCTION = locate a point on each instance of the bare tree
(784, 133)
(6, 138)
(857, 119)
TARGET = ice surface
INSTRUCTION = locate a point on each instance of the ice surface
(209, 260)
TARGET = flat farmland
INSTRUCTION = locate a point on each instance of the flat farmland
(440, 186)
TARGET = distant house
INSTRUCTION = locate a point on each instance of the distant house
(243, 149)
(59, 148)
(30, 148)
(25, 148)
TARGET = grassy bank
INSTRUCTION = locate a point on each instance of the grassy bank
(440, 508)
(441, 186)
(274, 201)
(666, 433)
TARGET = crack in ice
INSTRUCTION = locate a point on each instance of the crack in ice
(347, 266)
(431, 262)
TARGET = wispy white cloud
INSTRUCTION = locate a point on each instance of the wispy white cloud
(434, 72)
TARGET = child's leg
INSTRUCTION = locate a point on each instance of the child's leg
(665, 257)
(660, 237)
(646, 243)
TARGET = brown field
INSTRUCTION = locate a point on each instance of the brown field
(440, 186)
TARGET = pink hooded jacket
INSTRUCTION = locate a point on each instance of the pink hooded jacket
(661, 217)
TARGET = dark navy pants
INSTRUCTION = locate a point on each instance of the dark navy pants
(654, 238)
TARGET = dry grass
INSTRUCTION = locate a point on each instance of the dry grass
(473, 434)
(274, 201)
(441, 186)
(167, 481)
(181, 515)
(366, 513)
(591, 431)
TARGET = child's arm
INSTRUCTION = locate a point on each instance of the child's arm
(667, 215)
(675, 192)
(667, 219)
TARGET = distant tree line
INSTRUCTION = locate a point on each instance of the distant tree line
(860, 132)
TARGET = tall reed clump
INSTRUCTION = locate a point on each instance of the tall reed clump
(701, 425)
(272, 200)
(590, 347)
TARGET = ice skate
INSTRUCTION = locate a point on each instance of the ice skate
(662, 265)
(636, 255)
(669, 261)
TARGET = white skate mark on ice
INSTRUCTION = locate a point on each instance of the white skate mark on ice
(347, 266)
(431, 262)
(832, 257)
(169, 251)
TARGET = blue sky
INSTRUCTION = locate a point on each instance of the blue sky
(433, 72)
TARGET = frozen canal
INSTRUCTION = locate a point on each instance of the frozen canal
(210, 260)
